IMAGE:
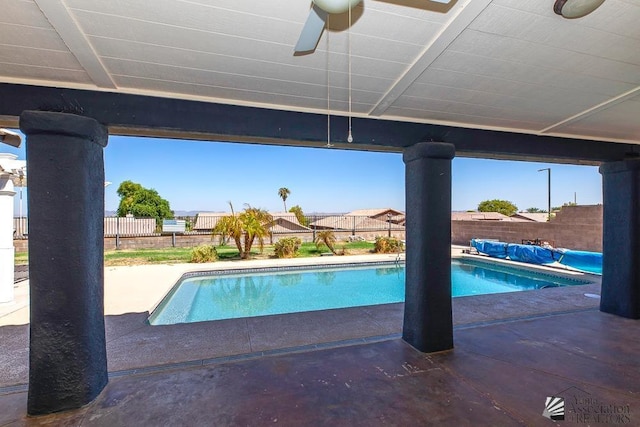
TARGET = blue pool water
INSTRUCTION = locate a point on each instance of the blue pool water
(227, 296)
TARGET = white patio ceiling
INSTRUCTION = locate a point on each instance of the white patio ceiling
(504, 64)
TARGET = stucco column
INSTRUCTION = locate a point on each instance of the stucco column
(67, 353)
(6, 239)
(428, 324)
(621, 238)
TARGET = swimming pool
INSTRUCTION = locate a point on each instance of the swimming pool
(222, 295)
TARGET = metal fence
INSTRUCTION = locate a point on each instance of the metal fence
(287, 224)
(20, 228)
(205, 223)
(129, 226)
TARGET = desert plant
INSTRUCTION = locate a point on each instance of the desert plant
(287, 247)
(245, 228)
(325, 238)
(256, 223)
(229, 226)
(385, 245)
(204, 253)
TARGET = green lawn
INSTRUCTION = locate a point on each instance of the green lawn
(21, 258)
(147, 256)
(183, 255)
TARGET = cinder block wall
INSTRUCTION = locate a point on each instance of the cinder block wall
(574, 227)
(157, 242)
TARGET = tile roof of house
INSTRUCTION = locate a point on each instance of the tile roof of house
(284, 221)
(481, 216)
(343, 222)
(532, 216)
(375, 212)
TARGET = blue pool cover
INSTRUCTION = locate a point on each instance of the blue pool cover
(590, 262)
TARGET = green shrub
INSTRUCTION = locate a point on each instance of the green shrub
(204, 253)
(287, 247)
(385, 245)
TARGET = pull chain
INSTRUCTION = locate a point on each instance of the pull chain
(349, 136)
(329, 145)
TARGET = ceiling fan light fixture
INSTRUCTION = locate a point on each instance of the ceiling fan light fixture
(571, 9)
(336, 6)
(11, 138)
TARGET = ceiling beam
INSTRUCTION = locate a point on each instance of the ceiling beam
(451, 30)
(127, 114)
(595, 109)
(69, 31)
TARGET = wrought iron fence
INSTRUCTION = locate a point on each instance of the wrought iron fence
(205, 223)
(291, 224)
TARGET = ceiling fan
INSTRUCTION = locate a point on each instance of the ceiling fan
(317, 21)
(575, 8)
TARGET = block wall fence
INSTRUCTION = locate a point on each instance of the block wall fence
(574, 227)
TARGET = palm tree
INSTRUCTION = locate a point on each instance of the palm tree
(284, 193)
(255, 224)
(244, 228)
(326, 238)
(231, 226)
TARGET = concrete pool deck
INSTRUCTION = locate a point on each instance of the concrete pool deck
(138, 350)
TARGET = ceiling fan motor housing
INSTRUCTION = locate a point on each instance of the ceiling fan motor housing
(575, 8)
(336, 6)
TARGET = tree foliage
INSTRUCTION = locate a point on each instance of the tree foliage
(142, 202)
(502, 206)
(284, 192)
(297, 211)
(535, 210)
(244, 228)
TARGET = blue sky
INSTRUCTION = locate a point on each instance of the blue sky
(204, 176)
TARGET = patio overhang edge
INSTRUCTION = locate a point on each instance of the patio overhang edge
(140, 115)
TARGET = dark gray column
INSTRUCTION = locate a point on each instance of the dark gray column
(428, 324)
(621, 238)
(67, 356)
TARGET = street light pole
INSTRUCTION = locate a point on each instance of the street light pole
(548, 190)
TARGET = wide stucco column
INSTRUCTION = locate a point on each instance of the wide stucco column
(67, 353)
(428, 324)
(620, 238)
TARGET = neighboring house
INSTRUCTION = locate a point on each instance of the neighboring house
(532, 216)
(382, 214)
(286, 222)
(358, 223)
(206, 221)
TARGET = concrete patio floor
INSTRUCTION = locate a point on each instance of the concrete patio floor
(344, 367)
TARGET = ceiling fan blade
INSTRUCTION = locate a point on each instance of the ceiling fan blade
(312, 31)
